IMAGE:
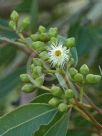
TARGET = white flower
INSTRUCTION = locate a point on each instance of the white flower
(58, 54)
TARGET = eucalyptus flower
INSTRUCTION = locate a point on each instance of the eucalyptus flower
(58, 54)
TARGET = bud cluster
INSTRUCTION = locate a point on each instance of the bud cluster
(83, 76)
(60, 99)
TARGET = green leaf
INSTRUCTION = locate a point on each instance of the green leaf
(43, 98)
(26, 120)
(59, 128)
(10, 82)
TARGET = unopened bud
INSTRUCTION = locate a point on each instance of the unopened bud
(69, 93)
(43, 37)
(70, 42)
(73, 71)
(41, 29)
(56, 91)
(14, 16)
(54, 101)
(93, 79)
(28, 88)
(12, 24)
(43, 55)
(39, 81)
(24, 77)
(25, 24)
(78, 77)
(53, 32)
(35, 37)
(40, 46)
(62, 107)
(37, 62)
(84, 69)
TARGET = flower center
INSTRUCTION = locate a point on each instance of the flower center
(58, 53)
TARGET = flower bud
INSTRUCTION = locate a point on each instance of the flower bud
(14, 16)
(41, 29)
(35, 37)
(43, 55)
(53, 32)
(54, 102)
(69, 93)
(36, 71)
(25, 24)
(78, 77)
(40, 46)
(73, 71)
(93, 79)
(84, 69)
(70, 42)
(28, 88)
(53, 40)
(43, 37)
(12, 24)
(56, 91)
(24, 77)
(62, 107)
(37, 62)
(39, 82)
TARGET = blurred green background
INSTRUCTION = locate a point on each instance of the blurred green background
(79, 18)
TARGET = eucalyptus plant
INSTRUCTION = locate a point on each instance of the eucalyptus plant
(51, 70)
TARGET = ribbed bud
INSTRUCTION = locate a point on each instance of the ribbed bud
(37, 62)
(14, 16)
(40, 46)
(41, 29)
(93, 79)
(35, 37)
(36, 71)
(43, 37)
(25, 24)
(54, 102)
(24, 78)
(78, 77)
(53, 32)
(43, 55)
(84, 69)
(70, 42)
(69, 93)
(62, 107)
(28, 88)
(39, 82)
(12, 25)
(73, 71)
(56, 91)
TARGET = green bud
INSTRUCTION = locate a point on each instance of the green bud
(73, 71)
(69, 93)
(12, 24)
(53, 40)
(43, 37)
(62, 107)
(84, 69)
(53, 32)
(54, 102)
(41, 29)
(72, 61)
(27, 88)
(78, 77)
(35, 37)
(70, 42)
(43, 55)
(39, 81)
(93, 79)
(25, 24)
(24, 77)
(56, 91)
(14, 16)
(37, 62)
(36, 71)
(40, 46)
